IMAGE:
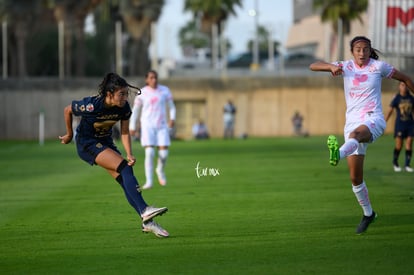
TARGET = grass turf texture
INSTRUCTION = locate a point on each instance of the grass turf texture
(276, 207)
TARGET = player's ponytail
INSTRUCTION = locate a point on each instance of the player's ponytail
(374, 54)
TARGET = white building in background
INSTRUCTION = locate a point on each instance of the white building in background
(388, 23)
(392, 30)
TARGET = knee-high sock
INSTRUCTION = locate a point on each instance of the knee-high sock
(162, 158)
(129, 199)
(149, 164)
(348, 148)
(361, 193)
(396, 155)
(132, 190)
(408, 154)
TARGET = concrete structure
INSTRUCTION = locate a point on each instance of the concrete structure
(265, 106)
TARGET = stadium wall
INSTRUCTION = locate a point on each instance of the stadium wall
(264, 105)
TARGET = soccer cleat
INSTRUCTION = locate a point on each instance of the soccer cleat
(409, 169)
(151, 212)
(365, 222)
(333, 150)
(397, 168)
(153, 227)
(161, 177)
(147, 186)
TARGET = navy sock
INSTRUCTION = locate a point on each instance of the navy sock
(131, 202)
(408, 154)
(396, 155)
(131, 188)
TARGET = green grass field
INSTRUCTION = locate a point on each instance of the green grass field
(276, 207)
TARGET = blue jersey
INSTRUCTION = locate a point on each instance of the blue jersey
(404, 106)
(97, 120)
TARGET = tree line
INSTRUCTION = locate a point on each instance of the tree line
(30, 32)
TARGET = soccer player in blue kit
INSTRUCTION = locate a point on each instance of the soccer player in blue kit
(95, 144)
(403, 103)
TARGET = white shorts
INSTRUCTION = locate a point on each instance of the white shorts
(151, 136)
(376, 126)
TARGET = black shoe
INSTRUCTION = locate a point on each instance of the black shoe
(365, 222)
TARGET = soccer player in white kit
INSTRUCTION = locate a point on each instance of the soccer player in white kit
(364, 115)
(151, 108)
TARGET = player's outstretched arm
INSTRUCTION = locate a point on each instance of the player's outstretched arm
(398, 75)
(323, 66)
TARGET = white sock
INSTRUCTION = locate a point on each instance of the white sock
(361, 193)
(348, 148)
(162, 159)
(149, 164)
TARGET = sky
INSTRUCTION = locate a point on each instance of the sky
(276, 15)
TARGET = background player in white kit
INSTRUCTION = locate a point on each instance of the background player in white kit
(364, 116)
(151, 108)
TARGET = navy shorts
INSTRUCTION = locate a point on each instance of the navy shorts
(404, 131)
(89, 149)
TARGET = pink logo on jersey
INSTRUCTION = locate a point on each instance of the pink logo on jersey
(367, 111)
(372, 68)
(153, 100)
(359, 78)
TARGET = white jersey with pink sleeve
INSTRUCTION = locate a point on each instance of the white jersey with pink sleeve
(153, 103)
(362, 87)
